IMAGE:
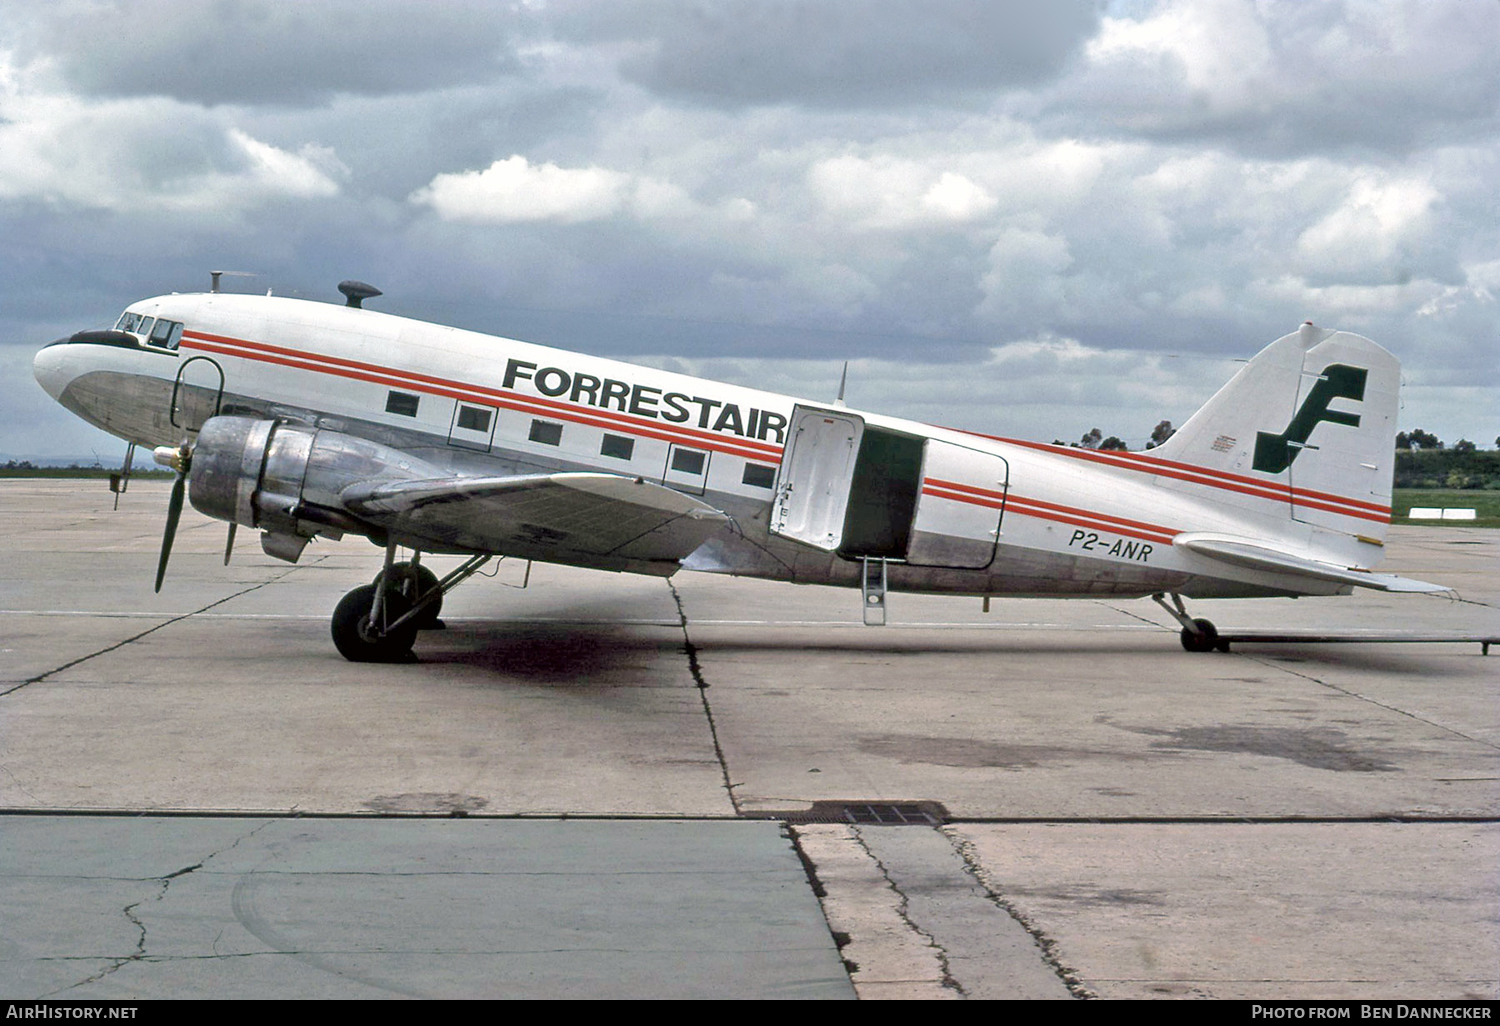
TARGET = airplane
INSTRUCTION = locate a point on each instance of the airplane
(305, 419)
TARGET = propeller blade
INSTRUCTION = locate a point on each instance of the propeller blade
(174, 513)
(229, 545)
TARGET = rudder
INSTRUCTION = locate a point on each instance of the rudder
(1312, 418)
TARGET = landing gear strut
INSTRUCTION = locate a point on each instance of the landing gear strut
(1198, 635)
(413, 581)
(378, 623)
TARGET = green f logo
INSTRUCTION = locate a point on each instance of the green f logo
(1274, 453)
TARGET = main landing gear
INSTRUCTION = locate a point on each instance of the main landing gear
(1198, 635)
(378, 623)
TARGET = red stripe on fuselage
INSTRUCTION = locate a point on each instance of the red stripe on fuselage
(1221, 479)
(593, 416)
(1012, 503)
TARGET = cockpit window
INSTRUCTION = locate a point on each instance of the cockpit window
(166, 334)
(159, 332)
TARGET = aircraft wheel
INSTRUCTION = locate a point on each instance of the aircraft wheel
(1205, 640)
(413, 580)
(354, 636)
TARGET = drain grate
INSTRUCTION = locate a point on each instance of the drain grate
(891, 815)
(866, 813)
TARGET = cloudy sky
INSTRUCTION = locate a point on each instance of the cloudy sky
(1018, 217)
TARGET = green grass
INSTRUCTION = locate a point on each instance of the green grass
(1485, 502)
(101, 473)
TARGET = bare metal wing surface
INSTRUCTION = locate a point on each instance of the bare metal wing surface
(597, 519)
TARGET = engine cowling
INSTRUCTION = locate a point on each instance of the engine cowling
(285, 479)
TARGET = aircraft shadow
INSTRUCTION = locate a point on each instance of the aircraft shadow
(576, 649)
(576, 653)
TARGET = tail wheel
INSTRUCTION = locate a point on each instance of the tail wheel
(412, 581)
(361, 641)
(1204, 639)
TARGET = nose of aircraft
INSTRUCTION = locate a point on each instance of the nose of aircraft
(50, 369)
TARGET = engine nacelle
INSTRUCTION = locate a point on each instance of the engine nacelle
(286, 478)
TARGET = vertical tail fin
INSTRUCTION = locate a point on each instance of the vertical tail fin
(1308, 424)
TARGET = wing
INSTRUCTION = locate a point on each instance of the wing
(1260, 557)
(597, 520)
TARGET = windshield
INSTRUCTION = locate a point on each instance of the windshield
(154, 331)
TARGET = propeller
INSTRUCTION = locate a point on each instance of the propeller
(180, 459)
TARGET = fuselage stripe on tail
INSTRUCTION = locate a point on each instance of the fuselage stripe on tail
(1274, 490)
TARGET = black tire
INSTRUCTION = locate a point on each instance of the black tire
(357, 642)
(1205, 639)
(413, 580)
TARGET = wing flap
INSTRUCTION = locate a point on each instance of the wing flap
(590, 519)
(1259, 557)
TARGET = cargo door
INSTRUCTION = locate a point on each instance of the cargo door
(812, 486)
(957, 523)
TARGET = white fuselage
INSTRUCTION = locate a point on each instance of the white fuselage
(811, 487)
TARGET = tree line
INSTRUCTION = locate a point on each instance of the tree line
(1422, 459)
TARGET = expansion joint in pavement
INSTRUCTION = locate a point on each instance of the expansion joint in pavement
(1276, 665)
(696, 670)
(151, 630)
(1050, 953)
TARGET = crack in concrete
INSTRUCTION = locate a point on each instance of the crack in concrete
(1051, 955)
(19, 786)
(139, 955)
(696, 670)
(1269, 662)
(903, 911)
(151, 630)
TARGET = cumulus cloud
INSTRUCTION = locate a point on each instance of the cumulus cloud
(142, 155)
(889, 193)
(516, 191)
(1289, 77)
(511, 191)
(1377, 221)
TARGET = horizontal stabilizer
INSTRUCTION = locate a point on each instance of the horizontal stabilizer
(601, 520)
(1259, 557)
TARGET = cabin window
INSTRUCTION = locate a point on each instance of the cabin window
(128, 322)
(759, 475)
(688, 461)
(145, 326)
(401, 403)
(473, 418)
(546, 432)
(617, 447)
